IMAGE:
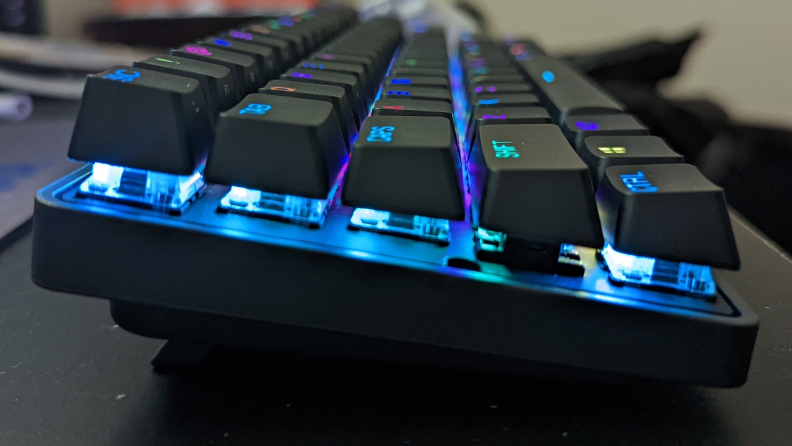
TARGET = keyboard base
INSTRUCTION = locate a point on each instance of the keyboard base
(362, 294)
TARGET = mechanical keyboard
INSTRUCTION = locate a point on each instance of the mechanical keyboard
(315, 184)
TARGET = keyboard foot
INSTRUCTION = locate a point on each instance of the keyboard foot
(179, 355)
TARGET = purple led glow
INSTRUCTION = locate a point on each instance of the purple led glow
(302, 75)
(285, 21)
(326, 56)
(241, 35)
(478, 63)
(199, 50)
(494, 117)
(586, 125)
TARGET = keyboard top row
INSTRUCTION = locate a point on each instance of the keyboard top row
(290, 112)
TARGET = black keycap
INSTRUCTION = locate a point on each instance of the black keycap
(263, 55)
(567, 91)
(281, 48)
(328, 93)
(490, 100)
(419, 81)
(579, 127)
(407, 92)
(407, 165)
(280, 145)
(346, 81)
(523, 49)
(496, 79)
(356, 70)
(413, 107)
(371, 71)
(216, 81)
(422, 63)
(308, 36)
(471, 73)
(504, 116)
(143, 119)
(296, 43)
(243, 68)
(500, 88)
(667, 211)
(601, 152)
(407, 71)
(527, 181)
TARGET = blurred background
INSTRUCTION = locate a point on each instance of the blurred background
(743, 62)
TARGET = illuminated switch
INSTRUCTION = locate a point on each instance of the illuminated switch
(601, 152)
(502, 116)
(281, 145)
(243, 68)
(526, 181)
(666, 211)
(407, 165)
(143, 119)
(216, 81)
(579, 127)
(328, 93)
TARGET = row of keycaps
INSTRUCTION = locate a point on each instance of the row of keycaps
(647, 201)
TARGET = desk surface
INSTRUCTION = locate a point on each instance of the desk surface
(69, 376)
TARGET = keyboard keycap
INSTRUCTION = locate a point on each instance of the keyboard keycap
(263, 55)
(357, 70)
(500, 88)
(243, 68)
(504, 100)
(328, 93)
(408, 71)
(579, 127)
(419, 81)
(669, 212)
(568, 92)
(413, 107)
(504, 116)
(296, 43)
(216, 81)
(133, 117)
(281, 48)
(497, 79)
(346, 81)
(527, 181)
(407, 92)
(277, 144)
(408, 165)
(371, 71)
(601, 152)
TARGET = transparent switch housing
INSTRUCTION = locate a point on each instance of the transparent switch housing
(148, 189)
(645, 271)
(413, 226)
(289, 208)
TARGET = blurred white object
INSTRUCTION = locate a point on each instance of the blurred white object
(15, 107)
(418, 14)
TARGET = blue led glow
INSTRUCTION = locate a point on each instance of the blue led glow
(380, 133)
(289, 208)
(413, 226)
(488, 101)
(398, 93)
(122, 76)
(587, 125)
(637, 183)
(548, 76)
(255, 109)
(646, 271)
(286, 21)
(155, 190)
(222, 42)
(400, 82)
(505, 149)
(302, 75)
